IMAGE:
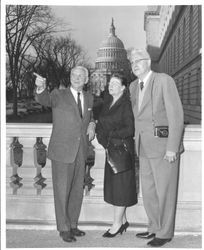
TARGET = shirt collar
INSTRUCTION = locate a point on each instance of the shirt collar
(145, 80)
(75, 91)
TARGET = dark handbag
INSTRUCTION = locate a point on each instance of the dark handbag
(118, 157)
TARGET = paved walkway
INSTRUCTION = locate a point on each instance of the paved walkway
(93, 238)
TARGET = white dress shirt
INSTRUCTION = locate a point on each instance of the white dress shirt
(142, 92)
(75, 94)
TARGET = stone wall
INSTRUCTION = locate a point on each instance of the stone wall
(179, 54)
(29, 201)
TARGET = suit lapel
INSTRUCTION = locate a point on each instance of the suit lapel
(137, 98)
(116, 104)
(134, 95)
(85, 104)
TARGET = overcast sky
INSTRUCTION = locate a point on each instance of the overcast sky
(91, 25)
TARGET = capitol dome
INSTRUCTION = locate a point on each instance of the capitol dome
(111, 56)
(112, 42)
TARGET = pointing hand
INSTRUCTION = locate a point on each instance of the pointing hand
(39, 81)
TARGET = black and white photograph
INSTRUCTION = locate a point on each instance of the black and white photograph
(101, 135)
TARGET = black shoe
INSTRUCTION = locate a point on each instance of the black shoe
(77, 232)
(157, 242)
(107, 234)
(125, 226)
(145, 235)
(67, 236)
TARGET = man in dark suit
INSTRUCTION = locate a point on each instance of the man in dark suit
(73, 126)
(156, 102)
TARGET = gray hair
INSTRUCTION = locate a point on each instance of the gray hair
(139, 53)
(81, 68)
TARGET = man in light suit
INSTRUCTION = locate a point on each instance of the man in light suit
(73, 126)
(155, 102)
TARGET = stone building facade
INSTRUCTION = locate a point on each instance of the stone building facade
(173, 35)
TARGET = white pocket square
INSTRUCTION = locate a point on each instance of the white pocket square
(89, 109)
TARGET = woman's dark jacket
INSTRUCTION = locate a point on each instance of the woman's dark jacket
(116, 122)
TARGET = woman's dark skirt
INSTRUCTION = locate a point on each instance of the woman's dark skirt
(120, 189)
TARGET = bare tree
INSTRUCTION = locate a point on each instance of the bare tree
(24, 24)
(57, 56)
(27, 78)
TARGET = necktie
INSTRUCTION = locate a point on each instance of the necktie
(141, 85)
(79, 104)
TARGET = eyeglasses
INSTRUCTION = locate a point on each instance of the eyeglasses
(137, 61)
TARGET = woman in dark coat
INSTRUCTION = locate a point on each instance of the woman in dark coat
(116, 125)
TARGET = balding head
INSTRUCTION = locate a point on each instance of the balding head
(79, 77)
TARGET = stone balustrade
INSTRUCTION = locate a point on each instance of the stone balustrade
(29, 192)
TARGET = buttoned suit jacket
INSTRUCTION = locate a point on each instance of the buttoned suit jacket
(69, 129)
(162, 104)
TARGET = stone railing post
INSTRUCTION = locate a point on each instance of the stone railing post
(40, 155)
(16, 160)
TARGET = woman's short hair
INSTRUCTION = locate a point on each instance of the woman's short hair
(121, 77)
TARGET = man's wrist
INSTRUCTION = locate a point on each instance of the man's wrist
(170, 153)
(39, 90)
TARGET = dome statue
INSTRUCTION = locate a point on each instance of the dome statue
(112, 41)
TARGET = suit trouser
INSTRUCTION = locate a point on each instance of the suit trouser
(159, 180)
(68, 179)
